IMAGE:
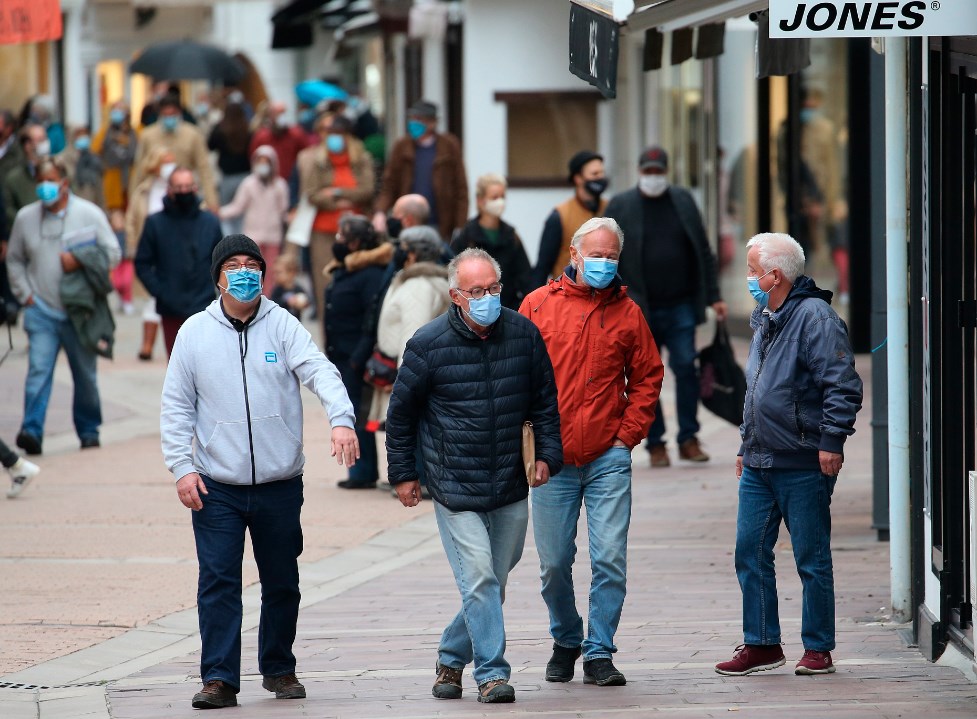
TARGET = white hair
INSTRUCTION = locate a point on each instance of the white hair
(598, 223)
(472, 253)
(779, 251)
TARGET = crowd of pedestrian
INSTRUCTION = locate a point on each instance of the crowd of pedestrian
(503, 388)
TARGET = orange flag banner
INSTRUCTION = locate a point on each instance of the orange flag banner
(29, 21)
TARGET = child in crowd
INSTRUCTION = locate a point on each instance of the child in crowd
(288, 293)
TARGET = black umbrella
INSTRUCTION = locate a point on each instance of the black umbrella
(187, 60)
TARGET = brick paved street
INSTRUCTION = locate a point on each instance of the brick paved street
(374, 606)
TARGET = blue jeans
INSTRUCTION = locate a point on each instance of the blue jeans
(604, 486)
(49, 331)
(674, 329)
(482, 548)
(802, 498)
(271, 512)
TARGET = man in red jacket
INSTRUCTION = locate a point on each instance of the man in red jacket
(608, 377)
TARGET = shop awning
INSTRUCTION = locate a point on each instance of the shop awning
(675, 14)
(671, 14)
(293, 22)
(29, 21)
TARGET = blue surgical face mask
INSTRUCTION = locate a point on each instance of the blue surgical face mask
(486, 310)
(116, 117)
(48, 192)
(416, 128)
(599, 272)
(243, 284)
(83, 143)
(753, 284)
(170, 122)
(335, 143)
(807, 114)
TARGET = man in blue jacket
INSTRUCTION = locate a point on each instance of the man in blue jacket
(802, 397)
(468, 381)
(173, 257)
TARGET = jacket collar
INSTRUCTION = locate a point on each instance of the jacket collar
(459, 325)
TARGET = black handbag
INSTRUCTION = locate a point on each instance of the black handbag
(380, 370)
(722, 384)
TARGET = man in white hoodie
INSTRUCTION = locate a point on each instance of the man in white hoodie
(231, 423)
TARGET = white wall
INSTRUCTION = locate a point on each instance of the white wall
(513, 46)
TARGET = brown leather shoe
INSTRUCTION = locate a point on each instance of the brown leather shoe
(691, 451)
(286, 686)
(448, 683)
(659, 456)
(215, 695)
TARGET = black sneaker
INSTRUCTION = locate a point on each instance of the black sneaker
(29, 443)
(350, 484)
(90, 443)
(603, 673)
(448, 683)
(560, 666)
(215, 695)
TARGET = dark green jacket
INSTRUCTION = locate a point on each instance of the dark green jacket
(84, 294)
(19, 190)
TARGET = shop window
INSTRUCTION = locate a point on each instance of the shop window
(545, 129)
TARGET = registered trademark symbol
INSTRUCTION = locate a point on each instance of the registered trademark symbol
(935, 4)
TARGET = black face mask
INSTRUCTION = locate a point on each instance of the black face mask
(596, 187)
(339, 251)
(400, 257)
(394, 227)
(186, 201)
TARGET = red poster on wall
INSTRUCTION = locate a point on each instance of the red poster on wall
(29, 21)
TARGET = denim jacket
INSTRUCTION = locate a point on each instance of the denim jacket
(802, 388)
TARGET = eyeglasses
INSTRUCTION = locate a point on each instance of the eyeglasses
(233, 266)
(478, 293)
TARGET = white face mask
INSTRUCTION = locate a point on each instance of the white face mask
(653, 185)
(43, 148)
(262, 170)
(165, 170)
(495, 207)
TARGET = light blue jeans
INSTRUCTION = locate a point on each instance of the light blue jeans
(802, 499)
(48, 331)
(604, 487)
(482, 548)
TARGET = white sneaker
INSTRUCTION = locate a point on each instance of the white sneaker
(21, 475)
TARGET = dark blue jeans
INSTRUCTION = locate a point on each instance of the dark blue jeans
(802, 499)
(271, 513)
(674, 329)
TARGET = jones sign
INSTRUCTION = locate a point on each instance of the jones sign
(872, 18)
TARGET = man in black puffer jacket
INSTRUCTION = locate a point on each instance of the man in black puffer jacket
(468, 382)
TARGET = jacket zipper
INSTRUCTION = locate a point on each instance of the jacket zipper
(488, 379)
(797, 419)
(247, 404)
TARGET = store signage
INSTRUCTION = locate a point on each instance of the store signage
(872, 18)
(29, 21)
(594, 41)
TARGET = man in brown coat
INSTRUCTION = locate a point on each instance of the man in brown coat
(429, 163)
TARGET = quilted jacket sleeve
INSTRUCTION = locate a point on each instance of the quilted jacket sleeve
(406, 405)
(545, 413)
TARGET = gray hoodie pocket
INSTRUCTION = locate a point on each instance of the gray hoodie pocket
(277, 451)
(227, 453)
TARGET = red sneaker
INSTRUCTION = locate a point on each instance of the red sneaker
(751, 658)
(815, 663)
